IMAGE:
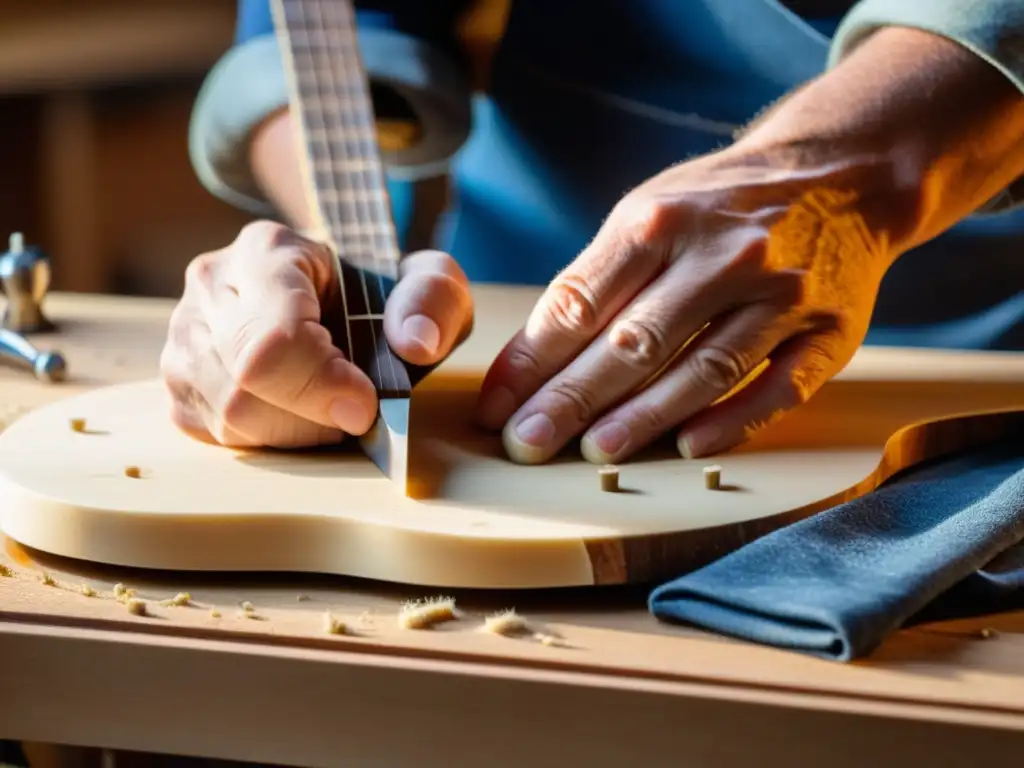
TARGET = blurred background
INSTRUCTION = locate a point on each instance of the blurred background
(95, 100)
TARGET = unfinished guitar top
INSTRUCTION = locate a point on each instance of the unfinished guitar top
(475, 519)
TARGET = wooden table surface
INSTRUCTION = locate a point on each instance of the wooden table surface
(620, 688)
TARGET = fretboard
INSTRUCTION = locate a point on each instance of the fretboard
(330, 97)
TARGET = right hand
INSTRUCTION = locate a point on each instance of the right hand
(248, 363)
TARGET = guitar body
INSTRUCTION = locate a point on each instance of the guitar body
(472, 518)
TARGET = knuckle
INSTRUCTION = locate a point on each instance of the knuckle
(795, 391)
(571, 305)
(235, 406)
(199, 271)
(717, 368)
(639, 342)
(648, 217)
(265, 234)
(253, 350)
(649, 418)
(434, 261)
(577, 397)
(791, 288)
(521, 359)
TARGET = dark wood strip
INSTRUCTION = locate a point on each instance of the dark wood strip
(331, 96)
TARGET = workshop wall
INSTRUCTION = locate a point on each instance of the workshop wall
(94, 107)
(95, 99)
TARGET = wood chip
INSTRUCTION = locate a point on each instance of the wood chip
(423, 614)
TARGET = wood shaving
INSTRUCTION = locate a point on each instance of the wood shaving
(136, 607)
(48, 580)
(247, 607)
(303, 598)
(423, 614)
(6, 572)
(133, 472)
(77, 425)
(507, 623)
(544, 639)
(214, 613)
(122, 594)
(86, 590)
(333, 625)
(179, 600)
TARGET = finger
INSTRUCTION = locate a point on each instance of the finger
(186, 334)
(238, 418)
(798, 369)
(429, 309)
(628, 252)
(717, 361)
(639, 344)
(274, 346)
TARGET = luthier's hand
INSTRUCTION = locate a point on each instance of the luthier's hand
(248, 362)
(773, 250)
(778, 265)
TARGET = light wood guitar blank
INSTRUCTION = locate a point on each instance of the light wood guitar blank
(476, 520)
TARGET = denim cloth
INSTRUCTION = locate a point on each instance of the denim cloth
(939, 541)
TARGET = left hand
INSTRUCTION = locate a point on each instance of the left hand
(767, 261)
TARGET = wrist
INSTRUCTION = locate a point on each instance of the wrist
(929, 130)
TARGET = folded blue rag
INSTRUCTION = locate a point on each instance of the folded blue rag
(940, 541)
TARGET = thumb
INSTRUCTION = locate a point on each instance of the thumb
(430, 308)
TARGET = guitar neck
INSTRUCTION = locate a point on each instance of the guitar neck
(330, 98)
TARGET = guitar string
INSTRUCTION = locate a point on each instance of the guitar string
(362, 215)
(352, 83)
(383, 227)
(289, 11)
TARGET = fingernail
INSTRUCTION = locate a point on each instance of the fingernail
(350, 415)
(423, 331)
(494, 407)
(536, 431)
(606, 442)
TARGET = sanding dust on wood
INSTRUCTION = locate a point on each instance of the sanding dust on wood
(423, 614)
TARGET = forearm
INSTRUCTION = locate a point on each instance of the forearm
(947, 124)
(275, 164)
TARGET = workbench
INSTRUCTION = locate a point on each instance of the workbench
(619, 689)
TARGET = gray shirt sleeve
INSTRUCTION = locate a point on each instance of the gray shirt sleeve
(248, 84)
(992, 29)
